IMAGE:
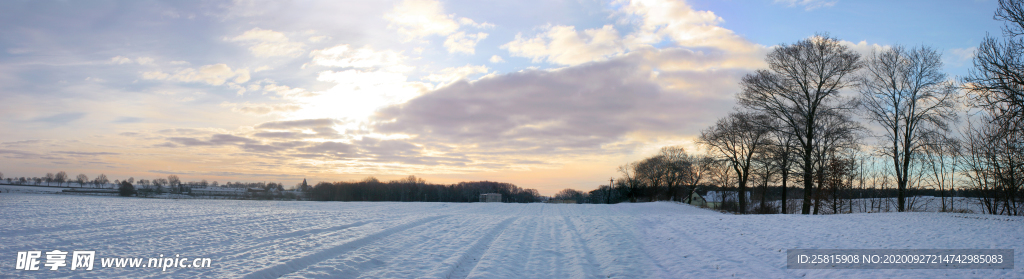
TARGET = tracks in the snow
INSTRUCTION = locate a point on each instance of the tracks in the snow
(465, 263)
(305, 261)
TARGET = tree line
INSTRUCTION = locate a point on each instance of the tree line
(369, 189)
(147, 187)
(416, 189)
(803, 120)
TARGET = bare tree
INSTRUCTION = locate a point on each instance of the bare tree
(158, 184)
(907, 94)
(940, 162)
(570, 194)
(678, 170)
(997, 80)
(49, 178)
(101, 180)
(172, 183)
(783, 155)
(738, 138)
(81, 179)
(802, 82)
(60, 177)
(993, 162)
(838, 135)
(629, 178)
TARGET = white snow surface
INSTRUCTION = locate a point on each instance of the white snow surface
(270, 239)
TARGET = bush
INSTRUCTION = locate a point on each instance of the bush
(126, 189)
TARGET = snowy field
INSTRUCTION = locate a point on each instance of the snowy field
(269, 239)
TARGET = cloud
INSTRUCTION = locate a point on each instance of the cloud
(317, 39)
(286, 92)
(269, 43)
(959, 56)
(17, 154)
(216, 74)
(60, 118)
(470, 22)
(85, 154)
(496, 59)
(285, 135)
(144, 61)
(344, 56)
(659, 20)
(125, 60)
(215, 140)
(261, 109)
(448, 75)
(462, 42)
(809, 4)
(120, 60)
(420, 18)
(338, 150)
(299, 124)
(564, 45)
(582, 109)
(127, 119)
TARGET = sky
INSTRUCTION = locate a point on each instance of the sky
(545, 94)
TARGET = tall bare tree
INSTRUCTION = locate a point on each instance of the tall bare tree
(782, 153)
(997, 80)
(81, 179)
(101, 180)
(838, 135)
(738, 138)
(802, 82)
(629, 179)
(906, 93)
(172, 182)
(61, 177)
(940, 163)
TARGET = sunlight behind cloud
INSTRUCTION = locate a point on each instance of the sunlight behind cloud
(344, 56)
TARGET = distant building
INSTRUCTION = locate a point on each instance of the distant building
(218, 191)
(695, 199)
(490, 197)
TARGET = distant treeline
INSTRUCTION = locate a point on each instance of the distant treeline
(413, 189)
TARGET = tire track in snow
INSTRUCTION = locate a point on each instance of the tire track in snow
(590, 268)
(476, 252)
(275, 240)
(224, 255)
(143, 232)
(730, 254)
(305, 261)
(630, 236)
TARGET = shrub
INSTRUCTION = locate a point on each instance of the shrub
(126, 189)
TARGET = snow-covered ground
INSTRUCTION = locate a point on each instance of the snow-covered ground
(267, 239)
(30, 189)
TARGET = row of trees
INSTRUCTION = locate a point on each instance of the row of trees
(413, 189)
(60, 178)
(171, 184)
(798, 122)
